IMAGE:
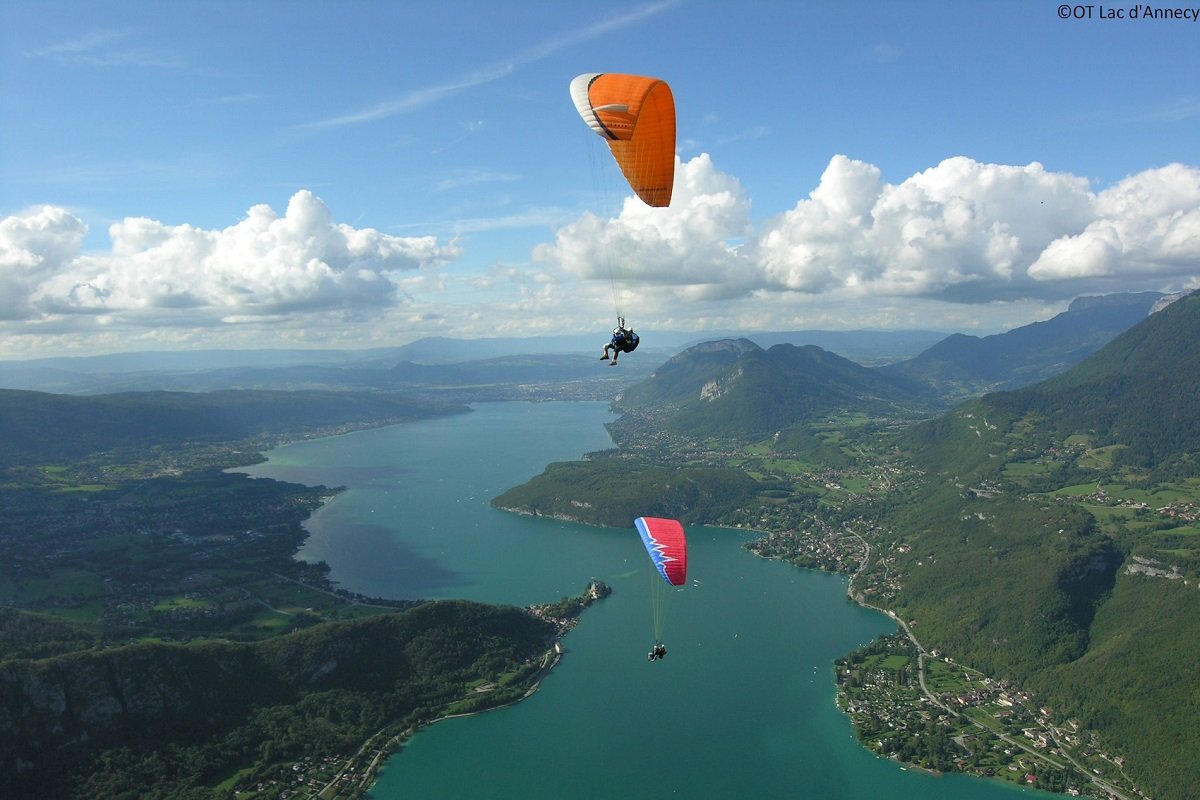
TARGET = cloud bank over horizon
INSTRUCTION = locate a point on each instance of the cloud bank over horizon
(264, 266)
(959, 232)
(958, 235)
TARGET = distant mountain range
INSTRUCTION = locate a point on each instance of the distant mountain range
(963, 366)
(734, 388)
(951, 366)
(458, 362)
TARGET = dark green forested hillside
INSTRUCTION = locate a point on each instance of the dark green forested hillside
(615, 491)
(1054, 541)
(36, 427)
(734, 389)
(684, 375)
(26, 635)
(1138, 394)
(961, 366)
(124, 537)
(159, 720)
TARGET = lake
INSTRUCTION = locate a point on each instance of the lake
(743, 704)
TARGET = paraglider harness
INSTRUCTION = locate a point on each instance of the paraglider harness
(624, 340)
(659, 651)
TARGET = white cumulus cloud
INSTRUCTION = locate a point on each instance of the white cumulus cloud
(264, 266)
(962, 231)
(1145, 225)
(963, 243)
(34, 246)
(689, 245)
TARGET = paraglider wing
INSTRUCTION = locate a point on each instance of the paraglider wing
(667, 547)
(636, 115)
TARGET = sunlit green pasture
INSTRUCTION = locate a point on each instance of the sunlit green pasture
(1100, 457)
(886, 661)
(1077, 490)
(788, 467)
(60, 478)
(1025, 469)
(1189, 530)
(947, 678)
(858, 485)
(68, 584)
(227, 784)
(843, 421)
(1161, 495)
(985, 716)
(172, 603)
(294, 599)
(268, 621)
(88, 612)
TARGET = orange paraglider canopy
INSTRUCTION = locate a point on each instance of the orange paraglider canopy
(636, 115)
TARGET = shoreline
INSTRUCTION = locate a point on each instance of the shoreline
(395, 743)
(564, 614)
(1053, 733)
(365, 776)
(853, 594)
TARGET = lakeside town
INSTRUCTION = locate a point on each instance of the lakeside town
(919, 708)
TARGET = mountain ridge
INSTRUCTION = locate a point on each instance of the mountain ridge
(736, 388)
(962, 365)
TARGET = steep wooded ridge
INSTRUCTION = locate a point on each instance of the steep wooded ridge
(1136, 395)
(735, 389)
(161, 720)
(1093, 605)
(961, 366)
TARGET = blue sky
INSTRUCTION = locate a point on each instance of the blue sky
(351, 174)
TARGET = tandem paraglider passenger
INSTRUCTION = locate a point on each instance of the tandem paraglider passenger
(666, 545)
(624, 340)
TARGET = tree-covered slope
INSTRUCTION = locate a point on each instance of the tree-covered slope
(683, 376)
(963, 365)
(36, 427)
(735, 389)
(615, 491)
(1092, 603)
(162, 720)
(1140, 394)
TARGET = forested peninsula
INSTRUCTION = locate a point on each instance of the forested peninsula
(158, 638)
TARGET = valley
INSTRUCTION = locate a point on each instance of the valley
(1040, 546)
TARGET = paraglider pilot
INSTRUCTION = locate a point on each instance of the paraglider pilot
(624, 340)
(659, 651)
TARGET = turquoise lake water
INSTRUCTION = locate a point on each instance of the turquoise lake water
(743, 704)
